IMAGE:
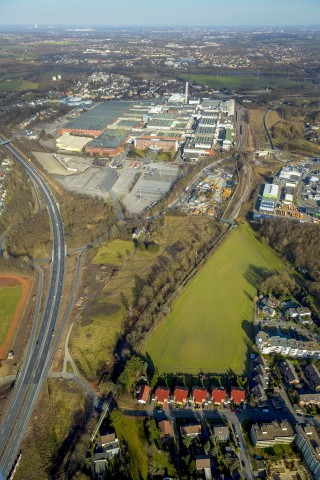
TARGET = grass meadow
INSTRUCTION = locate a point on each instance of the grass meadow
(17, 85)
(210, 325)
(241, 81)
(114, 253)
(9, 299)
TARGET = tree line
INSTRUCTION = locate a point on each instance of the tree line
(299, 244)
(152, 296)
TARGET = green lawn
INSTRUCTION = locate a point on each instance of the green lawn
(9, 299)
(210, 325)
(234, 82)
(144, 448)
(131, 431)
(17, 85)
(114, 253)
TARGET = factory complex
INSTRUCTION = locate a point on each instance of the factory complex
(293, 193)
(195, 126)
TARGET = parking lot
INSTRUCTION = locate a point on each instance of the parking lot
(136, 184)
(155, 180)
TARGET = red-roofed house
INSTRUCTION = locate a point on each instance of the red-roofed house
(199, 395)
(180, 395)
(143, 394)
(218, 395)
(162, 395)
(238, 395)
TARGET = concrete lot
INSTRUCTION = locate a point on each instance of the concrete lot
(106, 182)
(51, 164)
(94, 181)
(155, 181)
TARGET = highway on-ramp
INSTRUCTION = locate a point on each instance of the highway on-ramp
(39, 355)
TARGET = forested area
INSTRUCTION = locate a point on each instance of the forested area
(85, 218)
(288, 134)
(299, 244)
(19, 203)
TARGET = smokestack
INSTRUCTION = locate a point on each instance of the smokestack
(187, 92)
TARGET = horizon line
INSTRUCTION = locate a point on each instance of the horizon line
(116, 25)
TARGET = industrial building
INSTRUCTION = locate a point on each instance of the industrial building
(161, 126)
(267, 205)
(271, 191)
(97, 119)
(166, 144)
(71, 143)
(110, 143)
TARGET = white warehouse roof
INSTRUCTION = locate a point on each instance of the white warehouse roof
(271, 190)
(71, 142)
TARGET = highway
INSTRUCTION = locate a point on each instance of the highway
(39, 354)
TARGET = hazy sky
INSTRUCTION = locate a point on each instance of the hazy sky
(160, 12)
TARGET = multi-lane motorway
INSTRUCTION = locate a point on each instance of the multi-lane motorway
(40, 351)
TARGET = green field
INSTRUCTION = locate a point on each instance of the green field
(142, 439)
(17, 85)
(9, 299)
(95, 335)
(246, 82)
(210, 325)
(114, 253)
(131, 431)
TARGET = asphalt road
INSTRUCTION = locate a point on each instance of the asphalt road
(38, 358)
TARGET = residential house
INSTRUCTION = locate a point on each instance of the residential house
(273, 302)
(99, 465)
(143, 395)
(203, 462)
(259, 393)
(309, 399)
(260, 370)
(237, 395)
(313, 375)
(269, 311)
(304, 315)
(190, 430)
(260, 360)
(109, 444)
(265, 435)
(166, 430)
(180, 395)
(162, 396)
(288, 372)
(286, 346)
(199, 395)
(221, 432)
(218, 395)
(293, 313)
(261, 380)
(308, 442)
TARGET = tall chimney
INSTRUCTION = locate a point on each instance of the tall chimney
(187, 92)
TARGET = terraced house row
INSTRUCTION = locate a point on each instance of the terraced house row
(198, 396)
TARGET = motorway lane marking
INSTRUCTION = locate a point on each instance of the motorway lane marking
(51, 306)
